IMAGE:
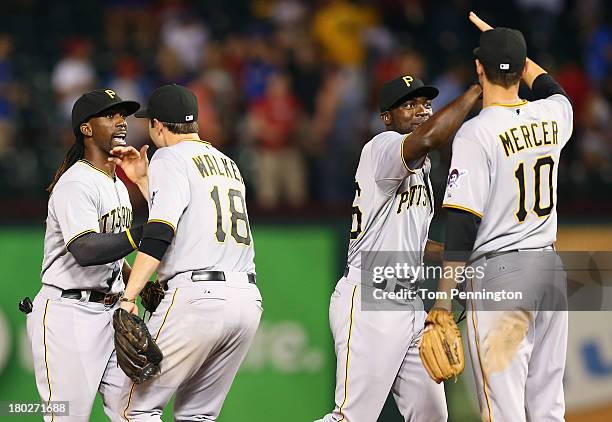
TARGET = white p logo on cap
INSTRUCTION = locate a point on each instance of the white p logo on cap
(189, 118)
(504, 66)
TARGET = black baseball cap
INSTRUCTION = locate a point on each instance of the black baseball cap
(502, 49)
(95, 102)
(171, 104)
(398, 90)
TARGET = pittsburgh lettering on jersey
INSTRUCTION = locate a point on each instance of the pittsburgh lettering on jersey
(415, 196)
(533, 135)
(116, 220)
(208, 165)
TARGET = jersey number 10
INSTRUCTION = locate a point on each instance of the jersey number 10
(235, 217)
(519, 174)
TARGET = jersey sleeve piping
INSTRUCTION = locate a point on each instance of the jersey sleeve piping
(131, 239)
(75, 237)
(402, 154)
(518, 104)
(164, 222)
(460, 207)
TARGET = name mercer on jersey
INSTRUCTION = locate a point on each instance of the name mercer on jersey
(529, 136)
(116, 220)
(209, 166)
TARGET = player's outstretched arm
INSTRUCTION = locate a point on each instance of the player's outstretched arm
(440, 128)
(103, 248)
(532, 70)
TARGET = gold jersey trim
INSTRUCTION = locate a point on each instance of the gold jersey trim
(197, 140)
(46, 358)
(165, 222)
(76, 236)
(131, 239)
(519, 104)
(348, 353)
(402, 154)
(84, 161)
(460, 207)
(156, 337)
(482, 372)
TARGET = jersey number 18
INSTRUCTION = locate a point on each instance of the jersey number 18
(235, 217)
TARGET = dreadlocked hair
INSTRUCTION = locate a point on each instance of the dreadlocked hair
(74, 154)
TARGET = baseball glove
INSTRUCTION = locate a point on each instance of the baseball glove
(137, 354)
(151, 296)
(441, 349)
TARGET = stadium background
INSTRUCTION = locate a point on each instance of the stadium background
(288, 89)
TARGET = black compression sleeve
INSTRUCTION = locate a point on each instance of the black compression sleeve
(156, 239)
(136, 233)
(154, 247)
(102, 248)
(545, 85)
(461, 230)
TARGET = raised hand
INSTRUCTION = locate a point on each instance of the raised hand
(480, 24)
(134, 163)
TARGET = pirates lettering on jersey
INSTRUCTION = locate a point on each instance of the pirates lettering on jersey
(415, 196)
(208, 165)
(117, 220)
(538, 134)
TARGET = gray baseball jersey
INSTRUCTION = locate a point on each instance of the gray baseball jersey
(84, 200)
(393, 201)
(391, 212)
(504, 170)
(184, 181)
(203, 329)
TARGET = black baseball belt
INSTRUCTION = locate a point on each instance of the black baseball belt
(107, 299)
(204, 275)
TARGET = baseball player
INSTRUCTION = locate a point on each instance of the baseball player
(501, 204)
(199, 240)
(377, 351)
(87, 235)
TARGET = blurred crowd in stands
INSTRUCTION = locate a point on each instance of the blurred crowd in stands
(288, 88)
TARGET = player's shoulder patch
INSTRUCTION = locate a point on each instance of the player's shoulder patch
(454, 177)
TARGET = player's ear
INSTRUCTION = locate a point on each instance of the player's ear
(479, 69)
(525, 68)
(159, 126)
(386, 118)
(86, 129)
